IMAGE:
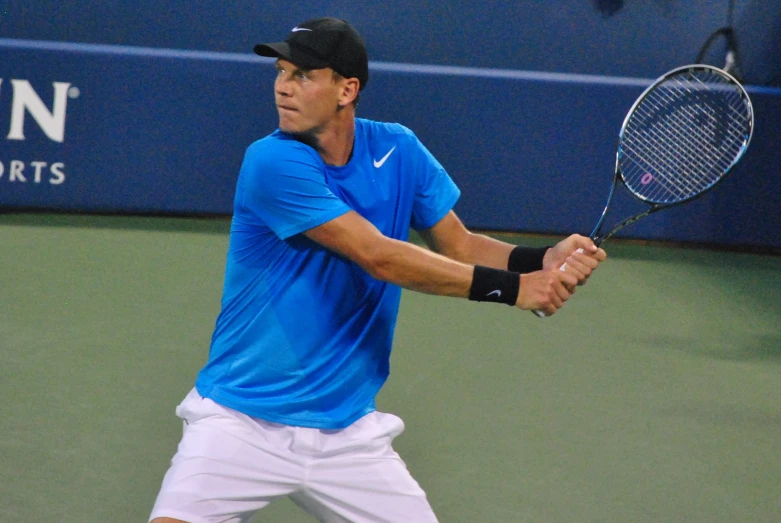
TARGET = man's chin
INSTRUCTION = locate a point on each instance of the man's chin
(286, 127)
(289, 123)
(293, 129)
(298, 130)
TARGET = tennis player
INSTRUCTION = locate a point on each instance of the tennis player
(317, 259)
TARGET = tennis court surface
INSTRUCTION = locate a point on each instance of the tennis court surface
(654, 395)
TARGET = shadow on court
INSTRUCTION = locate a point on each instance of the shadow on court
(745, 348)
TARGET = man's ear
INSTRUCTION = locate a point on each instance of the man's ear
(349, 92)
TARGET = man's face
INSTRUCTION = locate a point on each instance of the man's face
(307, 100)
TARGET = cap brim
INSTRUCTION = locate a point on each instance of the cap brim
(273, 50)
(291, 54)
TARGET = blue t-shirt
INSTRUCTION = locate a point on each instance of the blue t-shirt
(304, 335)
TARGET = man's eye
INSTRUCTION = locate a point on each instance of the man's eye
(303, 76)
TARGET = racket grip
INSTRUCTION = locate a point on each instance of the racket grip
(541, 314)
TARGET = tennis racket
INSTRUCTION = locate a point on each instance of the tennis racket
(680, 138)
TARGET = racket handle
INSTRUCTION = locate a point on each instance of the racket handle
(541, 314)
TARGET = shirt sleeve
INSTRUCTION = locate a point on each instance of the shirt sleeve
(284, 185)
(436, 193)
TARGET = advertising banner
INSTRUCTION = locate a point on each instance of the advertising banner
(93, 128)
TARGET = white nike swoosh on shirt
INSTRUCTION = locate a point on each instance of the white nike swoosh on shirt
(378, 163)
(295, 29)
(497, 292)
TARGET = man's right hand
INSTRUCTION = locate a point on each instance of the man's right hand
(546, 290)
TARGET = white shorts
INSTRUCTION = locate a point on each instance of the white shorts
(230, 465)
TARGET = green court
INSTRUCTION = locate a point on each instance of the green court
(654, 395)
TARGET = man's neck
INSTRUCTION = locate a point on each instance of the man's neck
(337, 148)
(335, 142)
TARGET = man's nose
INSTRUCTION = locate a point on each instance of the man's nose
(282, 86)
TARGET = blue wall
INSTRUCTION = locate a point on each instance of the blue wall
(164, 131)
(642, 39)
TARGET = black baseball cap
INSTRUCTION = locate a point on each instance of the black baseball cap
(320, 43)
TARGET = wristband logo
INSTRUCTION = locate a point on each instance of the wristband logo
(26, 101)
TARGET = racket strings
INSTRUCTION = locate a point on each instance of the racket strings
(661, 162)
(680, 158)
(729, 103)
(683, 137)
(685, 157)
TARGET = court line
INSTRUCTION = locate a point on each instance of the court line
(394, 67)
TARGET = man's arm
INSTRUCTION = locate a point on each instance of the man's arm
(387, 259)
(451, 238)
(415, 268)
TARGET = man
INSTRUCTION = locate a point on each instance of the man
(317, 259)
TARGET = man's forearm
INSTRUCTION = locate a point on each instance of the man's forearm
(480, 249)
(419, 269)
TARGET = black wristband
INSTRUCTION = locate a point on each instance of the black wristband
(494, 285)
(526, 259)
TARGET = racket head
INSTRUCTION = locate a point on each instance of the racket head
(684, 134)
